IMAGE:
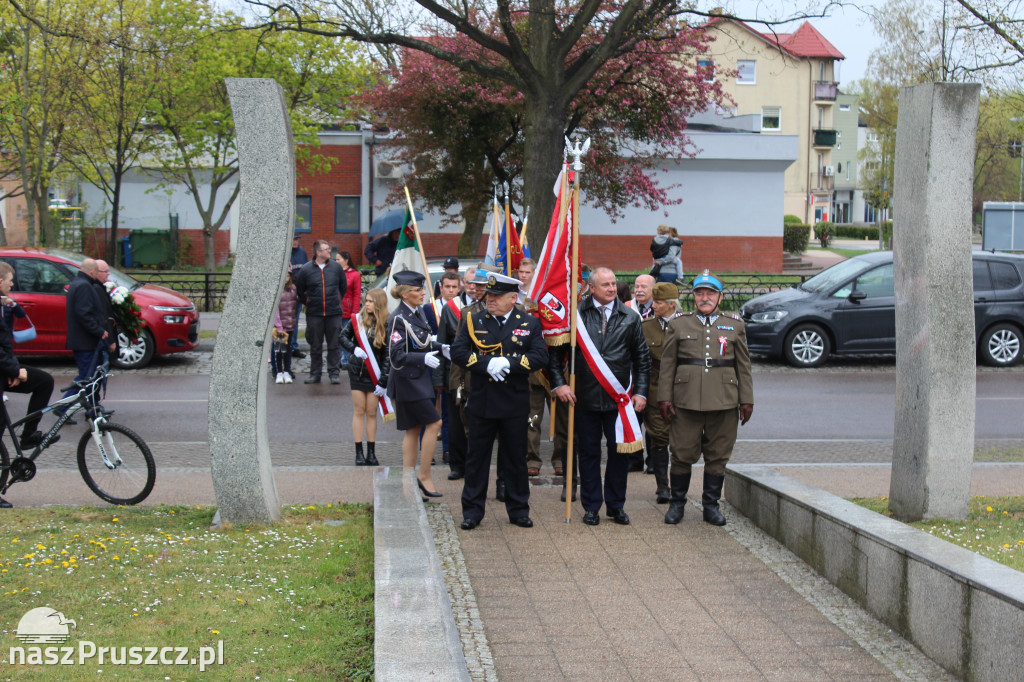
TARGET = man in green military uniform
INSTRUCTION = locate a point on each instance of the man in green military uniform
(705, 389)
(664, 307)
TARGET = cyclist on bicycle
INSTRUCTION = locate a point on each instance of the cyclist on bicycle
(18, 379)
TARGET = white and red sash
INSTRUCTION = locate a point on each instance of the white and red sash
(387, 410)
(453, 305)
(627, 426)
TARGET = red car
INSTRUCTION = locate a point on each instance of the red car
(41, 280)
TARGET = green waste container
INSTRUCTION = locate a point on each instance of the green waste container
(151, 246)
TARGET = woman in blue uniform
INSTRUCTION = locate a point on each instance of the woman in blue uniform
(413, 352)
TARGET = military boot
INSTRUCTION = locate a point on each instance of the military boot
(712, 494)
(676, 508)
(371, 454)
(360, 460)
(659, 462)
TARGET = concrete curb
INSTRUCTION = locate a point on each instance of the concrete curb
(415, 637)
(964, 611)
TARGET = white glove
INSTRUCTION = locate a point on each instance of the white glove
(446, 351)
(430, 360)
(431, 338)
(359, 353)
(498, 368)
(379, 391)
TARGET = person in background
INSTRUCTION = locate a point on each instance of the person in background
(353, 292)
(102, 275)
(451, 265)
(367, 327)
(381, 251)
(641, 302)
(413, 352)
(284, 323)
(665, 250)
(298, 259)
(665, 306)
(448, 299)
(87, 323)
(525, 275)
(17, 378)
(320, 285)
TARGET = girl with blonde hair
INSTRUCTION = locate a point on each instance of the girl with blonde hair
(365, 335)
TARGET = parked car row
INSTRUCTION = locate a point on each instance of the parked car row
(850, 308)
(41, 280)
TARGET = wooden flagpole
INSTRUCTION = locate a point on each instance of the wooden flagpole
(577, 152)
(508, 237)
(419, 245)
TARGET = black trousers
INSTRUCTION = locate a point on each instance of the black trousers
(511, 435)
(590, 426)
(457, 442)
(40, 385)
(319, 328)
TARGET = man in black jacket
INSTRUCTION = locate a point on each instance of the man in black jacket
(381, 251)
(88, 322)
(619, 339)
(320, 285)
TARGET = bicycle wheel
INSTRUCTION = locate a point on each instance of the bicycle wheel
(122, 471)
(5, 465)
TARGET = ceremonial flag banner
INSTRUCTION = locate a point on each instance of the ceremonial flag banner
(407, 257)
(491, 252)
(550, 285)
(524, 242)
(510, 238)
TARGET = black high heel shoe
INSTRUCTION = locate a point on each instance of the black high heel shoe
(426, 492)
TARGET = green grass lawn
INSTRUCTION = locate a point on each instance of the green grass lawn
(290, 601)
(994, 527)
(846, 253)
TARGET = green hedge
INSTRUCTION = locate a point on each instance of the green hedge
(825, 231)
(857, 232)
(790, 219)
(887, 234)
(795, 238)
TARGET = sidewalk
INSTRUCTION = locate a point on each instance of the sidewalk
(569, 601)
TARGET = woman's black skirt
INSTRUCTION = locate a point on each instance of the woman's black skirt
(415, 413)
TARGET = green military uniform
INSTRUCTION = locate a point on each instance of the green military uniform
(706, 375)
(655, 331)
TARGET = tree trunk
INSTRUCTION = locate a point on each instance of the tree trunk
(209, 256)
(47, 237)
(473, 215)
(544, 123)
(115, 210)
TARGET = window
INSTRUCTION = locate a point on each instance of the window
(771, 118)
(346, 214)
(303, 213)
(848, 169)
(38, 276)
(707, 66)
(1004, 275)
(844, 107)
(746, 71)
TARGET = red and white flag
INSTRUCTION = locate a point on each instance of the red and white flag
(551, 282)
(387, 410)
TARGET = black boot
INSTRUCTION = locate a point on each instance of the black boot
(499, 490)
(360, 460)
(575, 484)
(680, 484)
(659, 462)
(712, 494)
(371, 454)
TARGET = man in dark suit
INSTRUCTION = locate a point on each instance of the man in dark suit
(87, 322)
(501, 347)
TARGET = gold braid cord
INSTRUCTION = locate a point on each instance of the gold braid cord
(635, 446)
(486, 348)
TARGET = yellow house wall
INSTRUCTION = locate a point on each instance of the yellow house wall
(783, 81)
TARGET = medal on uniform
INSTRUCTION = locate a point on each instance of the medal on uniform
(721, 341)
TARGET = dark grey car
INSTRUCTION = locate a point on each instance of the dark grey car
(850, 308)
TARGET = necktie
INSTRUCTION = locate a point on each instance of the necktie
(501, 322)
(604, 320)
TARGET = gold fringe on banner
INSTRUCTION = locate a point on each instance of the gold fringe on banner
(557, 340)
(635, 446)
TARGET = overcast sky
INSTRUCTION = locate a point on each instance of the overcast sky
(847, 27)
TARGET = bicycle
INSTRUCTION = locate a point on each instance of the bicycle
(115, 462)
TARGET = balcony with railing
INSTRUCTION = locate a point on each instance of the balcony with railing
(825, 137)
(826, 91)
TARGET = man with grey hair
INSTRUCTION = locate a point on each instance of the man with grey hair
(618, 338)
(641, 303)
(88, 324)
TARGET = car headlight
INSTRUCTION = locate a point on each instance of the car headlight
(173, 308)
(769, 316)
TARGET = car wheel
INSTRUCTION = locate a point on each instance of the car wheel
(807, 345)
(1000, 346)
(134, 354)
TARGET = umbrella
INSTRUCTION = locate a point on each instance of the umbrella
(390, 221)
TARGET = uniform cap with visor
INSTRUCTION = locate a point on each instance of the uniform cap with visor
(707, 281)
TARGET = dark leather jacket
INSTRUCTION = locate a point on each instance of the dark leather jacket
(356, 365)
(623, 348)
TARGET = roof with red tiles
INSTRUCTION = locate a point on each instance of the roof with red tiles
(806, 41)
